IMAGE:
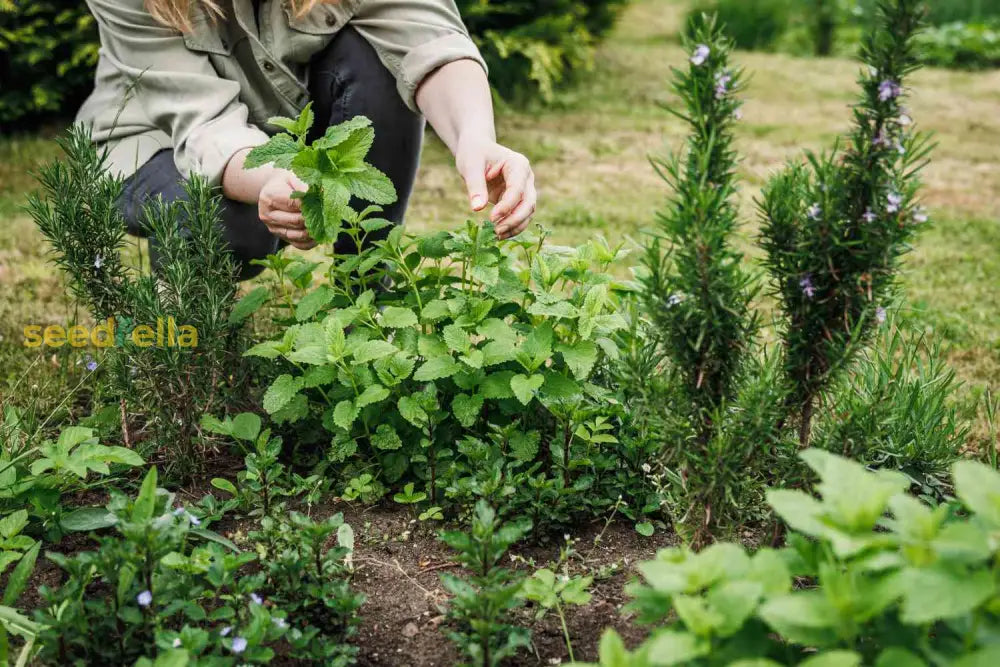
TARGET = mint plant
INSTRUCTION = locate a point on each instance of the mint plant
(479, 609)
(333, 167)
(871, 576)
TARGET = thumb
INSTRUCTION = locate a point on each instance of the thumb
(475, 183)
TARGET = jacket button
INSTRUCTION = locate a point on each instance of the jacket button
(331, 20)
(268, 66)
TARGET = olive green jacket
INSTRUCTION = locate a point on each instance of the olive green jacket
(207, 93)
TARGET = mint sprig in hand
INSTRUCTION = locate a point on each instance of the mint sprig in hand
(333, 167)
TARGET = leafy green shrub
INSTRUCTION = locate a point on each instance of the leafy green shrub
(35, 477)
(416, 352)
(479, 609)
(873, 576)
(941, 12)
(48, 50)
(754, 26)
(165, 587)
(165, 381)
(961, 45)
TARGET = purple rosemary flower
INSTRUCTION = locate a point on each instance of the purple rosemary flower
(239, 644)
(894, 200)
(920, 215)
(674, 300)
(700, 55)
(879, 140)
(280, 622)
(869, 216)
(256, 599)
(224, 632)
(880, 315)
(738, 114)
(91, 365)
(905, 120)
(807, 286)
(722, 81)
(900, 148)
(144, 598)
(98, 262)
(814, 212)
(888, 90)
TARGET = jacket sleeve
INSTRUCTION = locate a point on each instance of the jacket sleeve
(178, 89)
(415, 38)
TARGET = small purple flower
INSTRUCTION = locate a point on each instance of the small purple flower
(144, 598)
(920, 215)
(880, 315)
(674, 300)
(256, 599)
(224, 632)
(738, 114)
(879, 140)
(888, 90)
(807, 286)
(98, 262)
(239, 644)
(814, 212)
(869, 216)
(700, 55)
(905, 120)
(722, 81)
(91, 365)
(894, 200)
(280, 622)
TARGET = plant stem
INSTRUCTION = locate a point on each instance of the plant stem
(569, 644)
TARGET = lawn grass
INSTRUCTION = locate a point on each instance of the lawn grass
(590, 151)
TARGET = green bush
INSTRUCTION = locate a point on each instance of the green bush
(963, 45)
(949, 11)
(750, 25)
(871, 576)
(48, 50)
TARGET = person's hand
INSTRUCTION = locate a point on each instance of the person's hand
(495, 174)
(281, 213)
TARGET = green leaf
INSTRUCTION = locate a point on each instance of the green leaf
(524, 387)
(145, 501)
(435, 310)
(645, 529)
(670, 647)
(337, 134)
(978, 488)
(394, 317)
(280, 150)
(524, 445)
(212, 536)
(497, 385)
(896, 656)
(456, 338)
(246, 426)
(411, 411)
(281, 391)
(941, 592)
(467, 409)
(373, 349)
(372, 185)
(497, 330)
(225, 485)
(612, 652)
(18, 579)
(833, 659)
(345, 413)
(434, 246)
(436, 369)
(313, 302)
(371, 395)
(86, 519)
(386, 438)
(986, 657)
(537, 347)
(804, 617)
(580, 357)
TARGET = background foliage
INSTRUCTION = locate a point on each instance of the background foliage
(48, 49)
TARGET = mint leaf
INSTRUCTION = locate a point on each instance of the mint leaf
(345, 413)
(372, 394)
(394, 317)
(467, 409)
(372, 185)
(279, 151)
(524, 387)
(386, 438)
(580, 357)
(437, 369)
(281, 391)
(410, 410)
(373, 349)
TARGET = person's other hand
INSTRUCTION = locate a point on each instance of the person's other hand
(280, 213)
(495, 174)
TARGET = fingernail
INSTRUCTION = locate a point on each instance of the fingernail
(477, 202)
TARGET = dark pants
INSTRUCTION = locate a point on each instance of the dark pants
(346, 79)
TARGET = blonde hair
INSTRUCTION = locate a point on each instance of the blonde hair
(177, 13)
